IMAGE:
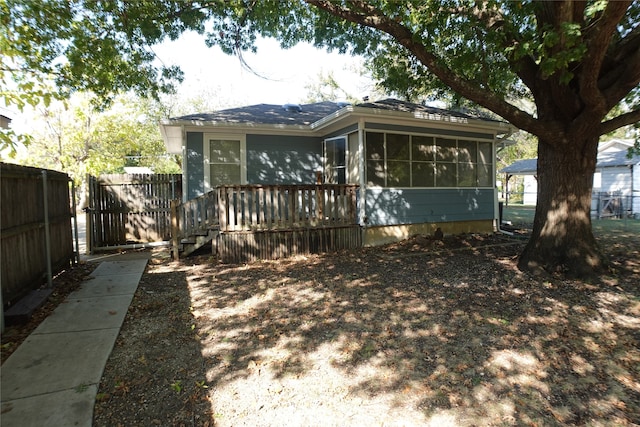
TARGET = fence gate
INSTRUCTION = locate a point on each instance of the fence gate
(130, 208)
(610, 204)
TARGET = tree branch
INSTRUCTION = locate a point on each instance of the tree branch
(626, 119)
(628, 78)
(616, 60)
(599, 38)
(371, 17)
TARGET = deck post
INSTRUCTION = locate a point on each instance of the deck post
(175, 230)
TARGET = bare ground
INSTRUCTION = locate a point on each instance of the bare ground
(425, 332)
(421, 333)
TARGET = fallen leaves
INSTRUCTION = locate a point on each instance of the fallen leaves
(460, 336)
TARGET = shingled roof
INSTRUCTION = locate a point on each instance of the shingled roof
(521, 167)
(307, 114)
(288, 114)
(606, 159)
(391, 104)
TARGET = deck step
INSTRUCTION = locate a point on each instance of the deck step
(193, 243)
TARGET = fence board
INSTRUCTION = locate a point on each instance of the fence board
(22, 233)
(131, 208)
(273, 244)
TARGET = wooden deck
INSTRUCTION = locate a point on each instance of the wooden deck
(247, 222)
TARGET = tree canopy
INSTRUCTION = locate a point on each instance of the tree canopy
(75, 138)
(579, 61)
(489, 52)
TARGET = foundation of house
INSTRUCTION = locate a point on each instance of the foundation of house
(376, 236)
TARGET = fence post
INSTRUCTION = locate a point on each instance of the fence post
(175, 230)
(89, 215)
(47, 231)
(75, 222)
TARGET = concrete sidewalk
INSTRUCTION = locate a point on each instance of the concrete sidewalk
(52, 378)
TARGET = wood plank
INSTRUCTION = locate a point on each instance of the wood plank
(269, 209)
(21, 312)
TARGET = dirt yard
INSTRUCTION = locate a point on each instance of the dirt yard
(421, 333)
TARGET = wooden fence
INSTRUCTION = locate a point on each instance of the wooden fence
(272, 221)
(611, 204)
(36, 233)
(130, 208)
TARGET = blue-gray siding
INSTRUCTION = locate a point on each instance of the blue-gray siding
(273, 159)
(415, 206)
(195, 164)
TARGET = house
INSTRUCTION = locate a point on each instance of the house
(4, 122)
(416, 167)
(616, 182)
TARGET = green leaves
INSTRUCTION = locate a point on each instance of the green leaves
(560, 48)
(76, 138)
(487, 51)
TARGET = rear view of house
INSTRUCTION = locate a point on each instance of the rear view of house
(415, 168)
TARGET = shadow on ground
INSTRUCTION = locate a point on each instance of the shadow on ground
(155, 375)
(404, 335)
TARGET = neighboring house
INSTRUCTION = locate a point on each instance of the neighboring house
(138, 170)
(417, 167)
(4, 121)
(527, 169)
(616, 175)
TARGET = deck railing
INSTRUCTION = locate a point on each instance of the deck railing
(233, 210)
(195, 216)
(285, 207)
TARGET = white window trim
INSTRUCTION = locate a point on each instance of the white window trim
(207, 156)
(325, 160)
(434, 136)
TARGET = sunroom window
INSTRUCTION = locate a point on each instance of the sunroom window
(402, 160)
(376, 170)
(398, 161)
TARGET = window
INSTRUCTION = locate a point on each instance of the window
(224, 161)
(402, 160)
(423, 163)
(398, 161)
(335, 154)
(376, 171)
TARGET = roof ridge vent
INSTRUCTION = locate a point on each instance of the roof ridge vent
(292, 108)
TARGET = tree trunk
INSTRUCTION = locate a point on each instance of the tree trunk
(562, 239)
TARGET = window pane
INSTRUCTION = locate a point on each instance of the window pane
(398, 174)
(445, 150)
(336, 152)
(485, 164)
(224, 174)
(446, 175)
(397, 147)
(422, 148)
(341, 152)
(375, 173)
(422, 174)
(484, 152)
(224, 151)
(375, 146)
(467, 152)
(485, 175)
(466, 175)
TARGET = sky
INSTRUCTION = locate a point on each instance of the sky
(210, 72)
(287, 72)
